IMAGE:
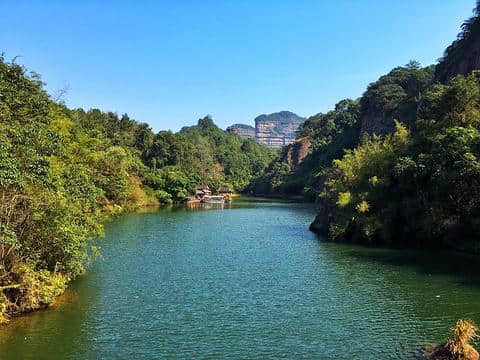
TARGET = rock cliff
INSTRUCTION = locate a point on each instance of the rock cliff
(242, 130)
(394, 96)
(463, 55)
(460, 63)
(277, 129)
(298, 151)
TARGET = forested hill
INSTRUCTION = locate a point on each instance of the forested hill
(62, 171)
(397, 95)
(394, 96)
(400, 165)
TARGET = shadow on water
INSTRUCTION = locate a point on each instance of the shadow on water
(52, 333)
(247, 284)
(464, 267)
(421, 293)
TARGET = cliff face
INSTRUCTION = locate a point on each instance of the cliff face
(394, 96)
(377, 123)
(277, 129)
(243, 131)
(397, 95)
(462, 65)
(463, 55)
(298, 151)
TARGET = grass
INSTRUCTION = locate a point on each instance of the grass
(462, 335)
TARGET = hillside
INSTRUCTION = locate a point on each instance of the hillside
(63, 171)
(399, 165)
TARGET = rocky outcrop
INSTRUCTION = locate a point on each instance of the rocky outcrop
(461, 62)
(377, 123)
(463, 55)
(319, 226)
(274, 130)
(442, 352)
(277, 129)
(298, 151)
(242, 130)
(323, 220)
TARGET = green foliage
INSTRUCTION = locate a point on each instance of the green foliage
(63, 171)
(207, 155)
(419, 189)
(455, 104)
(22, 98)
(353, 183)
(272, 180)
(175, 184)
(414, 183)
(397, 94)
(163, 197)
(330, 133)
(36, 288)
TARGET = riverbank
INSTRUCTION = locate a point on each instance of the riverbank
(465, 245)
(63, 170)
(247, 282)
(34, 290)
(295, 198)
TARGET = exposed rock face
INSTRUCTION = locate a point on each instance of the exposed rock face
(460, 65)
(243, 131)
(377, 123)
(442, 352)
(325, 215)
(463, 55)
(319, 226)
(298, 151)
(277, 129)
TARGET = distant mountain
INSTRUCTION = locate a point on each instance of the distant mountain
(274, 130)
(277, 129)
(242, 130)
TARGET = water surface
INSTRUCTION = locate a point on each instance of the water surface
(246, 282)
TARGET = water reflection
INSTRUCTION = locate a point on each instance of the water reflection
(250, 282)
(53, 333)
(436, 288)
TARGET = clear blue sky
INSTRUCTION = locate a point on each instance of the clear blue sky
(169, 63)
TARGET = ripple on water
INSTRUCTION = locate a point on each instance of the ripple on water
(247, 282)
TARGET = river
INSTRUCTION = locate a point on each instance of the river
(248, 281)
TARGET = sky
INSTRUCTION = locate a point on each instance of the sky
(169, 63)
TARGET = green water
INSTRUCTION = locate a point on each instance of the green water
(247, 282)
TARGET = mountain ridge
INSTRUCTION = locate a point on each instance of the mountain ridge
(274, 130)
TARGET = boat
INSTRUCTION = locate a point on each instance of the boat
(192, 200)
(213, 199)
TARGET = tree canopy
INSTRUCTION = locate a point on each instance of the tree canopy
(62, 171)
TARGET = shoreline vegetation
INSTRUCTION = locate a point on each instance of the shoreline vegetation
(457, 347)
(63, 172)
(398, 166)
